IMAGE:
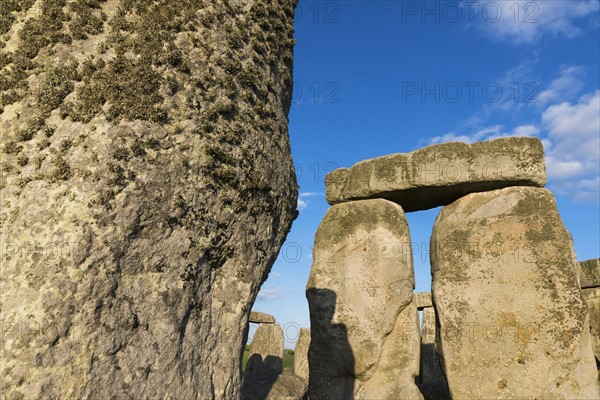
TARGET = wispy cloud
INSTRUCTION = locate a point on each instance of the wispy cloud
(526, 22)
(302, 199)
(271, 293)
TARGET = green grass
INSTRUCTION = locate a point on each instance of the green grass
(288, 361)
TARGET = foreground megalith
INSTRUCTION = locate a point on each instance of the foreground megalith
(146, 188)
(360, 283)
(505, 288)
(437, 175)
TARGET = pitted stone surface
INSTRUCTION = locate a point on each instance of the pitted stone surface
(360, 282)
(440, 174)
(513, 320)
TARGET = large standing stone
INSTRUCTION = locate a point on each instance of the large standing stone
(437, 175)
(261, 318)
(513, 321)
(301, 353)
(267, 344)
(361, 280)
(146, 186)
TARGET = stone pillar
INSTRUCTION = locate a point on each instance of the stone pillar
(301, 353)
(590, 286)
(431, 380)
(359, 292)
(512, 318)
(266, 350)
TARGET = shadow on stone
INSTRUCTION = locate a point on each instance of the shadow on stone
(330, 357)
(260, 376)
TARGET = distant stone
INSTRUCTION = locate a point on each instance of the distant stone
(440, 174)
(301, 353)
(431, 380)
(261, 318)
(592, 298)
(589, 273)
(422, 300)
(268, 344)
(360, 282)
(513, 322)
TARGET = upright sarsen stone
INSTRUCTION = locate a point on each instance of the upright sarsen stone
(301, 353)
(361, 281)
(146, 187)
(505, 288)
(266, 350)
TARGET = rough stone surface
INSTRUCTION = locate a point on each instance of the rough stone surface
(513, 322)
(286, 386)
(361, 280)
(431, 381)
(301, 353)
(261, 318)
(592, 298)
(422, 300)
(146, 188)
(438, 175)
(268, 343)
(398, 366)
(589, 273)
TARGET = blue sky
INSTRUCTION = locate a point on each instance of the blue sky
(380, 77)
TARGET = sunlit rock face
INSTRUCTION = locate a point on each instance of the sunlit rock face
(147, 186)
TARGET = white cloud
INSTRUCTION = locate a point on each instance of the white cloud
(487, 133)
(302, 202)
(270, 293)
(527, 21)
(565, 87)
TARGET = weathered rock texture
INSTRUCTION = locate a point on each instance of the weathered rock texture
(513, 321)
(422, 300)
(440, 174)
(360, 283)
(261, 318)
(147, 186)
(592, 298)
(267, 343)
(301, 353)
(431, 381)
(589, 273)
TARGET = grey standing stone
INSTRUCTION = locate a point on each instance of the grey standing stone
(360, 282)
(266, 349)
(146, 188)
(437, 175)
(301, 353)
(513, 320)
